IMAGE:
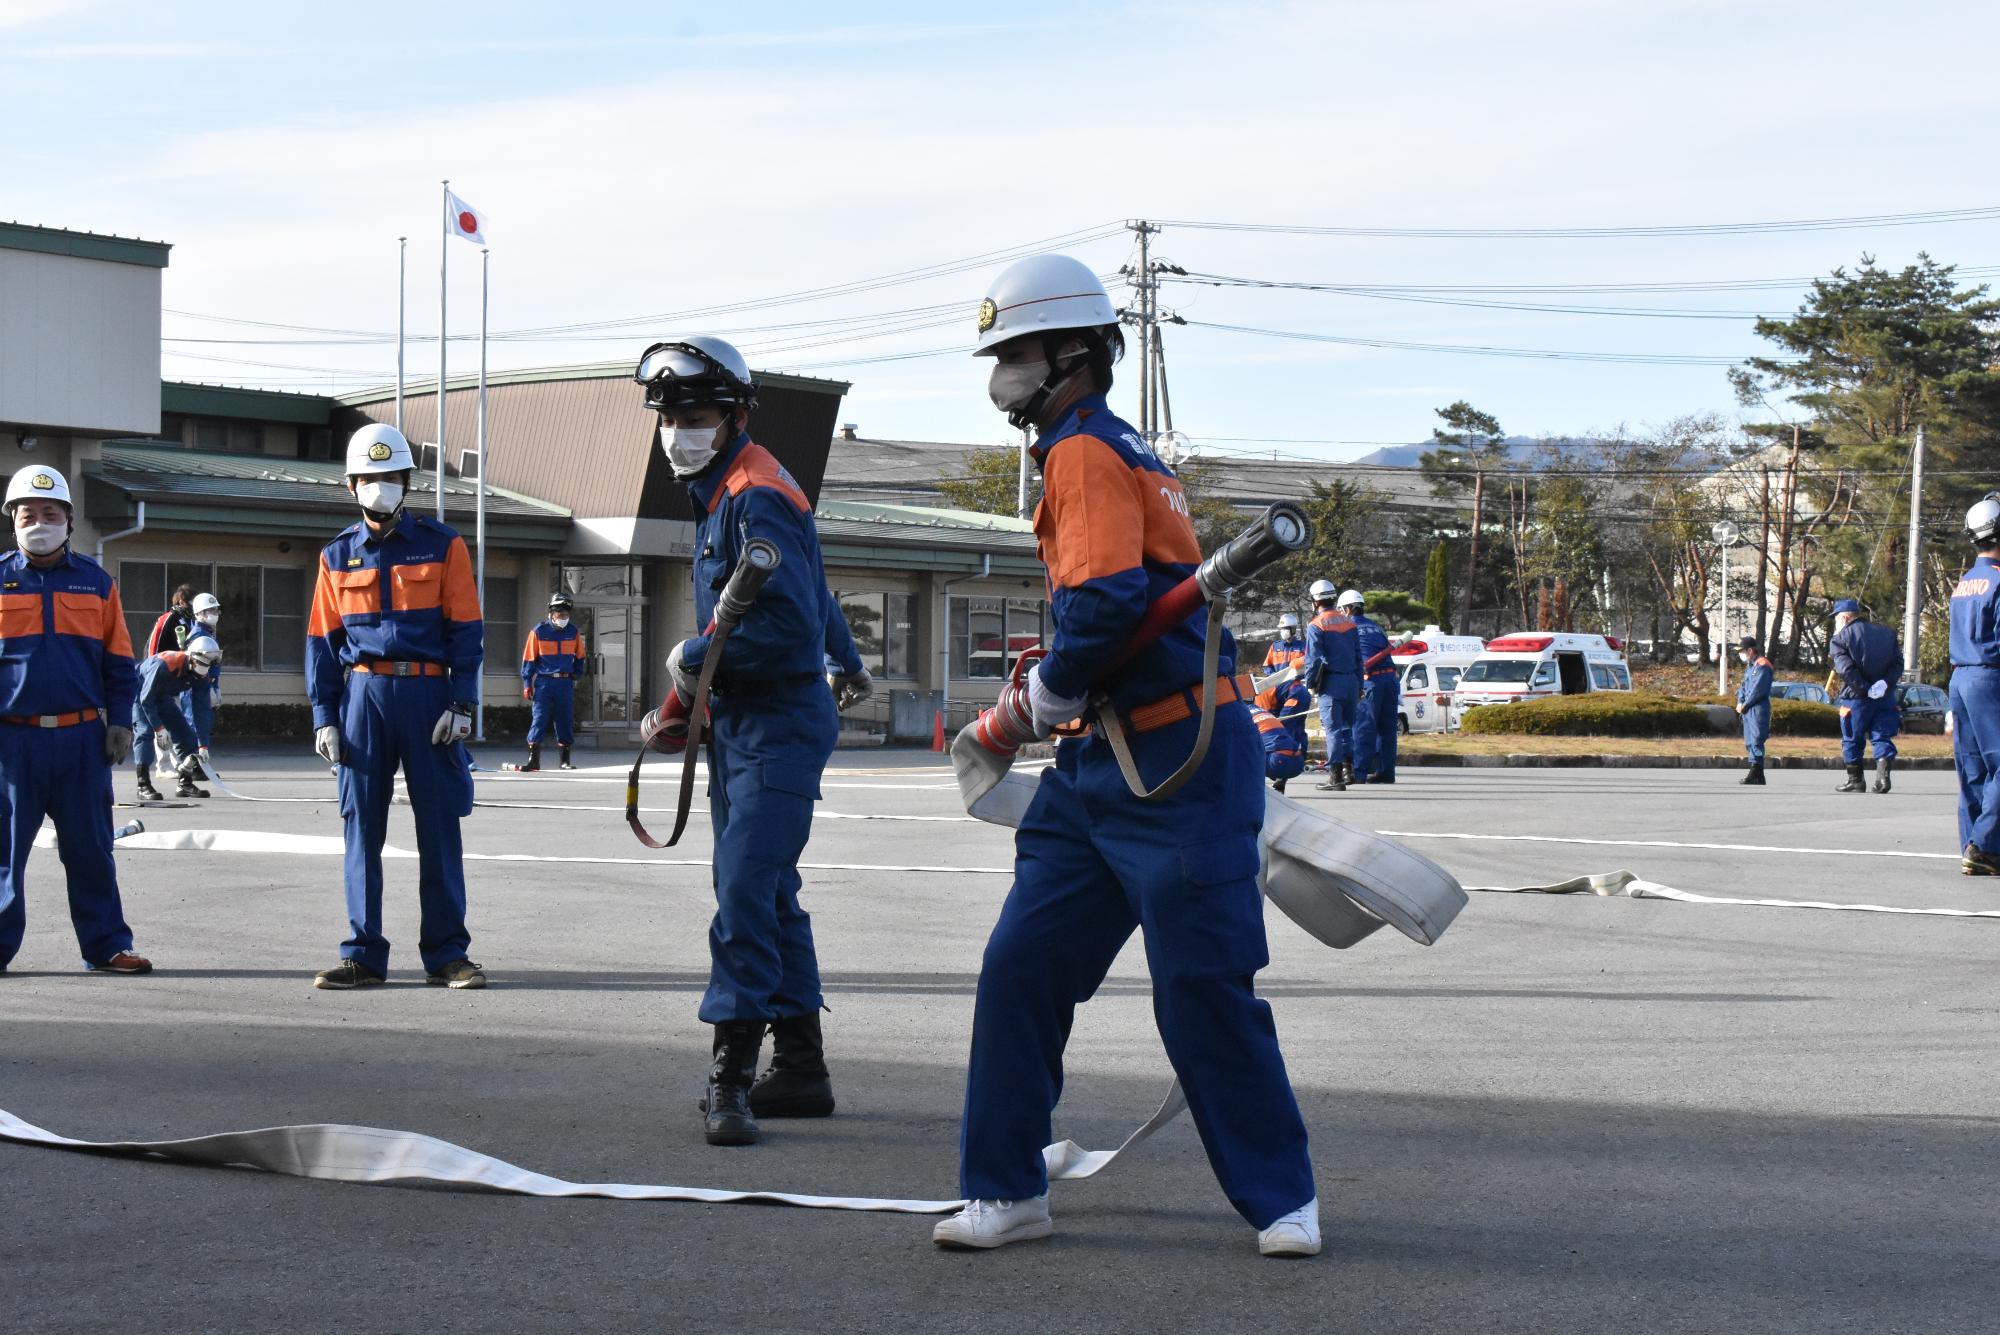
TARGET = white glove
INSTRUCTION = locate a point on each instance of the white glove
(326, 741)
(851, 688)
(682, 679)
(117, 744)
(1878, 690)
(454, 725)
(1051, 710)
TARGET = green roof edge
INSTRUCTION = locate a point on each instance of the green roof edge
(84, 245)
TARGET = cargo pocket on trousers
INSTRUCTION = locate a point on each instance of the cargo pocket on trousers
(797, 782)
(1210, 923)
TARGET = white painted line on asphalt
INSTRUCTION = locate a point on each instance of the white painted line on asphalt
(1628, 885)
(1668, 843)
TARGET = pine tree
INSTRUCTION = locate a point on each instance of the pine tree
(1437, 585)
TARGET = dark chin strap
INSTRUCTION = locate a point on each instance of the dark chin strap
(379, 519)
(1029, 414)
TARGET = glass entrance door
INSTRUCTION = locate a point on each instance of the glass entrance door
(615, 688)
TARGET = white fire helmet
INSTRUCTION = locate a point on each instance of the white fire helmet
(37, 482)
(1351, 598)
(378, 448)
(1039, 295)
(1289, 621)
(1321, 590)
(206, 602)
(1982, 521)
(204, 650)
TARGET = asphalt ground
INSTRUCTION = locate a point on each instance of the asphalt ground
(1571, 1114)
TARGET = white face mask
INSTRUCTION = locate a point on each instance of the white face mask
(42, 539)
(1745, 657)
(199, 668)
(559, 620)
(208, 618)
(689, 448)
(1012, 385)
(381, 497)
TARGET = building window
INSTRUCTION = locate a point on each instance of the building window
(142, 587)
(240, 632)
(884, 630)
(899, 622)
(603, 581)
(502, 611)
(1027, 627)
(285, 600)
(988, 634)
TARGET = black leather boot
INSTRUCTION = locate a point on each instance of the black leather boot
(564, 750)
(797, 1085)
(147, 792)
(1277, 785)
(1882, 768)
(728, 1119)
(1336, 778)
(1756, 776)
(1855, 783)
(534, 758)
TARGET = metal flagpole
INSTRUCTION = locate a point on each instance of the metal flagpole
(402, 269)
(479, 529)
(444, 255)
(1913, 578)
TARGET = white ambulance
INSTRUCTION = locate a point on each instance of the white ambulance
(1429, 667)
(1529, 665)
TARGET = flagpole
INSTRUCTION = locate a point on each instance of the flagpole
(402, 269)
(480, 529)
(444, 255)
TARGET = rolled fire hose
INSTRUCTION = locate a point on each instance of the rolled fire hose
(760, 559)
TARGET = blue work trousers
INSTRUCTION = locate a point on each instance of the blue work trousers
(198, 705)
(1375, 729)
(1975, 749)
(1756, 731)
(60, 773)
(1091, 863)
(1337, 705)
(165, 714)
(385, 725)
(767, 747)
(554, 707)
(1869, 723)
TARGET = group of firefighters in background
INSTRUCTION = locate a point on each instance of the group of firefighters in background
(1346, 659)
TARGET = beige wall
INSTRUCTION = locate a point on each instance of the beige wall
(79, 343)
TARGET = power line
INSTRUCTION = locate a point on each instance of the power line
(1860, 221)
(1537, 354)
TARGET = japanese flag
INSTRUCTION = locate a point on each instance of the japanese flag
(464, 220)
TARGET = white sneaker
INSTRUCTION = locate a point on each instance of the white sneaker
(996, 1223)
(1296, 1234)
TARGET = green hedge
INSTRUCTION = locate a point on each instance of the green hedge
(1598, 714)
(1792, 718)
(293, 722)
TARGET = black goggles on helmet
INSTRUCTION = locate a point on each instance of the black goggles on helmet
(680, 375)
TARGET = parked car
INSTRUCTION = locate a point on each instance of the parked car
(1811, 692)
(1923, 707)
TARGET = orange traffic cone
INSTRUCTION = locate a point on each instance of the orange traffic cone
(937, 732)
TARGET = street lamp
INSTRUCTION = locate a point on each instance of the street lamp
(1725, 534)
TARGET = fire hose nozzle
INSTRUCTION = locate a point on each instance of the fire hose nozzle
(760, 559)
(1281, 531)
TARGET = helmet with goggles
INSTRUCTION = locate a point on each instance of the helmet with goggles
(692, 372)
(1982, 521)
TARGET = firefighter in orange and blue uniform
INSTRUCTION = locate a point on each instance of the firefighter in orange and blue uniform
(1094, 861)
(771, 729)
(66, 688)
(1975, 693)
(393, 651)
(1333, 669)
(165, 680)
(1284, 757)
(1375, 722)
(1287, 704)
(551, 662)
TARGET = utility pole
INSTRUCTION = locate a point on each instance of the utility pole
(1913, 580)
(1143, 314)
(1472, 556)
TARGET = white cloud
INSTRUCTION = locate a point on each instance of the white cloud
(21, 13)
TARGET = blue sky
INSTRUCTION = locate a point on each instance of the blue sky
(648, 160)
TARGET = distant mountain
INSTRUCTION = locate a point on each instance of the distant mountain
(1520, 449)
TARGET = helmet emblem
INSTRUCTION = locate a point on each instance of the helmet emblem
(378, 452)
(42, 482)
(988, 313)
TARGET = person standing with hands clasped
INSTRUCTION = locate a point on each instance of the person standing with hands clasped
(66, 689)
(1753, 703)
(393, 649)
(551, 662)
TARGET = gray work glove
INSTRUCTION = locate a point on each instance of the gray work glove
(454, 725)
(326, 741)
(683, 677)
(117, 744)
(851, 688)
